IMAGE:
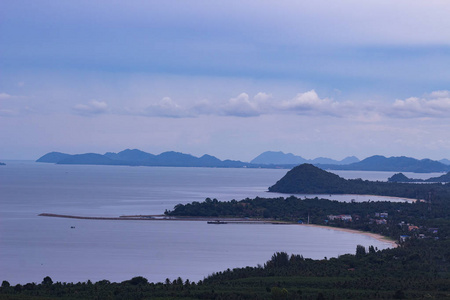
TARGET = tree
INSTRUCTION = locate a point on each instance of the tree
(360, 250)
(138, 280)
(47, 281)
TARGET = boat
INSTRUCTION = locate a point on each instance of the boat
(216, 222)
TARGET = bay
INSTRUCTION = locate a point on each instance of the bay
(68, 250)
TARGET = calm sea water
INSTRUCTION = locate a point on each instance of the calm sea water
(32, 247)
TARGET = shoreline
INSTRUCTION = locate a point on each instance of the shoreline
(389, 197)
(222, 220)
(363, 195)
(376, 236)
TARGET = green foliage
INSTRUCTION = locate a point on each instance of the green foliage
(360, 250)
(47, 281)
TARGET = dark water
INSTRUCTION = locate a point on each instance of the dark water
(32, 247)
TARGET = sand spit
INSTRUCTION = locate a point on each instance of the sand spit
(170, 218)
(220, 221)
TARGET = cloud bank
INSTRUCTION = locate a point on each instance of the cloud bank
(433, 105)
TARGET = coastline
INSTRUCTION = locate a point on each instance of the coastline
(376, 236)
(389, 197)
(353, 195)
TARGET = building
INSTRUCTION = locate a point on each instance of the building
(346, 218)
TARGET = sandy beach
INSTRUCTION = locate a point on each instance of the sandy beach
(372, 235)
(375, 196)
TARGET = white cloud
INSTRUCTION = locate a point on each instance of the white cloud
(93, 107)
(310, 103)
(166, 107)
(435, 104)
(262, 97)
(439, 94)
(304, 101)
(241, 106)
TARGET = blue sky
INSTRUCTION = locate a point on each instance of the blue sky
(227, 78)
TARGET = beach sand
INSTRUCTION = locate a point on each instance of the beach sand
(372, 235)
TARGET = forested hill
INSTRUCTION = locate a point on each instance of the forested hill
(308, 179)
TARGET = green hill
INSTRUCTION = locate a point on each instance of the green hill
(307, 178)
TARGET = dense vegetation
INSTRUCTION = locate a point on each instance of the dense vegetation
(365, 215)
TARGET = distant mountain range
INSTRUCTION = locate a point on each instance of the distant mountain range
(280, 158)
(140, 158)
(401, 164)
(445, 161)
(400, 177)
(269, 159)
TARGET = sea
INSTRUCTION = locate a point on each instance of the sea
(74, 250)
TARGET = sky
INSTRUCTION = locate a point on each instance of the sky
(228, 78)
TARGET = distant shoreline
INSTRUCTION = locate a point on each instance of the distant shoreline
(221, 220)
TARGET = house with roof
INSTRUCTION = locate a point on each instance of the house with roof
(347, 218)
